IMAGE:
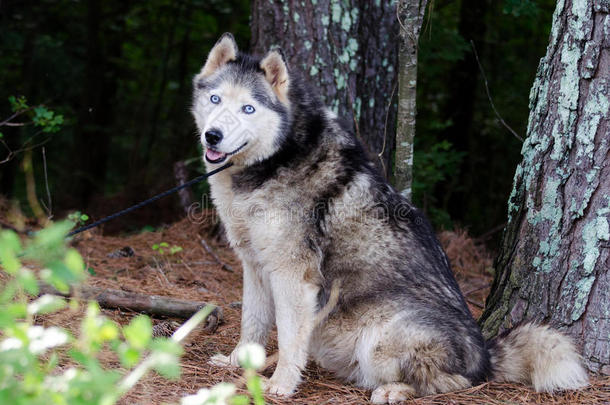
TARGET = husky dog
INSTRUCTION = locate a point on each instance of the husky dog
(306, 210)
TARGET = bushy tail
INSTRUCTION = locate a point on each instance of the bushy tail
(537, 355)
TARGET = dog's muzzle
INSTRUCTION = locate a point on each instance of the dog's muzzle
(214, 156)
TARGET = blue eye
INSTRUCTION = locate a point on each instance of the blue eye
(248, 109)
(215, 99)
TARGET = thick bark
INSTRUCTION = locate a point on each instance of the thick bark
(555, 256)
(411, 14)
(347, 49)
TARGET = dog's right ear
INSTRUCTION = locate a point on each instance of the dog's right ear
(224, 51)
(276, 73)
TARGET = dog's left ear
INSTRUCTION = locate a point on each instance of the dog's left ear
(276, 72)
(224, 51)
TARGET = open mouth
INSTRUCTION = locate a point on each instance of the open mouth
(214, 156)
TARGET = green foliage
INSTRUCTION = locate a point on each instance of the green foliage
(510, 36)
(164, 247)
(518, 8)
(30, 354)
(124, 104)
(432, 166)
(147, 228)
(18, 103)
(47, 119)
(78, 217)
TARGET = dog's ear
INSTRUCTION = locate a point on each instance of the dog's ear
(224, 51)
(276, 72)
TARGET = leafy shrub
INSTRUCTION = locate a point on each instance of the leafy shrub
(30, 354)
(430, 167)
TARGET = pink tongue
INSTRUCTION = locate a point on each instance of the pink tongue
(213, 155)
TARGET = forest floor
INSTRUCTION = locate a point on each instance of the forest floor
(193, 274)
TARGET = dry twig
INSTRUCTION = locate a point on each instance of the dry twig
(208, 249)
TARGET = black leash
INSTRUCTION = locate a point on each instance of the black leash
(151, 199)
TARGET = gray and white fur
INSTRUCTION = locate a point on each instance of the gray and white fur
(305, 209)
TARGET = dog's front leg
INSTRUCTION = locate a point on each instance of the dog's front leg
(295, 306)
(256, 315)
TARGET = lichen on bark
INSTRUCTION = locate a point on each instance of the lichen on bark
(340, 46)
(554, 259)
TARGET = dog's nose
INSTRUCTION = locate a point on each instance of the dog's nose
(213, 137)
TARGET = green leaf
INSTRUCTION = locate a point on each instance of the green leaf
(175, 249)
(16, 310)
(61, 273)
(109, 331)
(139, 332)
(165, 345)
(239, 400)
(164, 244)
(167, 365)
(91, 271)
(18, 103)
(255, 388)
(128, 355)
(75, 263)
(28, 281)
(49, 243)
(10, 246)
(49, 277)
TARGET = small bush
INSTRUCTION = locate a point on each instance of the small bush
(30, 354)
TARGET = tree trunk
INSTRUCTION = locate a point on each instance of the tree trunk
(411, 14)
(555, 256)
(347, 49)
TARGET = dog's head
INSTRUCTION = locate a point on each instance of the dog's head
(241, 104)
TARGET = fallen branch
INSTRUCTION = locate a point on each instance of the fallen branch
(215, 256)
(150, 304)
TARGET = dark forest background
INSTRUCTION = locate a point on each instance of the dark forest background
(120, 74)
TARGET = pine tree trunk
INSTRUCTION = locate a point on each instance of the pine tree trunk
(348, 50)
(411, 14)
(555, 256)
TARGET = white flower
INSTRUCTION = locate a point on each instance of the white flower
(218, 395)
(42, 339)
(251, 355)
(10, 344)
(221, 392)
(197, 399)
(46, 303)
(61, 382)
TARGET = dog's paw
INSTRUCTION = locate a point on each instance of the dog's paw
(278, 388)
(392, 393)
(220, 360)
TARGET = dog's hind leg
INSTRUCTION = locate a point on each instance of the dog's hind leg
(399, 361)
(425, 369)
(392, 393)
